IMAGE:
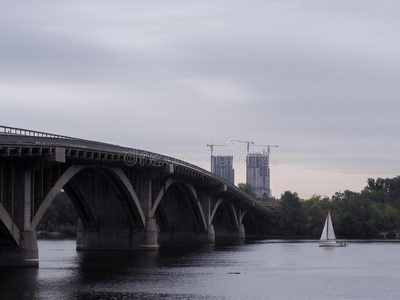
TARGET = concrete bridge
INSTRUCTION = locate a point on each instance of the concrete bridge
(127, 199)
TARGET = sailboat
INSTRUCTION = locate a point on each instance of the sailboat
(328, 238)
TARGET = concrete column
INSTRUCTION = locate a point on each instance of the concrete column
(24, 256)
(150, 235)
(150, 241)
(210, 233)
(145, 195)
(26, 253)
(86, 239)
(27, 201)
(241, 232)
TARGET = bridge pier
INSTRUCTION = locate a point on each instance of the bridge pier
(231, 236)
(187, 237)
(26, 255)
(129, 241)
(210, 233)
(150, 241)
(117, 238)
(18, 245)
(241, 232)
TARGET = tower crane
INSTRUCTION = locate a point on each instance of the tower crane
(267, 146)
(248, 145)
(212, 147)
(212, 152)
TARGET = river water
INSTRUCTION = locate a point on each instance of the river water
(259, 270)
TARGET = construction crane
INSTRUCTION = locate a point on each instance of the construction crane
(212, 152)
(248, 145)
(212, 147)
(267, 146)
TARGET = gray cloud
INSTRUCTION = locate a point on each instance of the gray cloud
(319, 78)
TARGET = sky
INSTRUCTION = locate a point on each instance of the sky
(321, 79)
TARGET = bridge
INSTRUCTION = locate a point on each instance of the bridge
(127, 199)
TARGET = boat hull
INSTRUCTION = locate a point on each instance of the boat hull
(332, 244)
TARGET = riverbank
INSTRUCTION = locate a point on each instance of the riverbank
(54, 235)
(271, 241)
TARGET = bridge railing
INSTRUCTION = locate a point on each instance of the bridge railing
(28, 132)
(19, 135)
(38, 137)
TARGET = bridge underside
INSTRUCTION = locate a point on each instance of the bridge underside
(121, 206)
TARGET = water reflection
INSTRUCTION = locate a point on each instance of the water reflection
(258, 270)
(19, 283)
(139, 275)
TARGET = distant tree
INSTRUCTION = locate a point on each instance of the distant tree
(389, 218)
(371, 184)
(61, 216)
(318, 197)
(385, 190)
(292, 218)
(312, 208)
(248, 189)
(359, 216)
(338, 196)
(265, 198)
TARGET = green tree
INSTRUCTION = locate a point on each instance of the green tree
(312, 208)
(248, 189)
(61, 216)
(292, 218)
(359, 216)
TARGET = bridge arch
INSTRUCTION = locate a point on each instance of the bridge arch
(190, 195)
(229, 208)
(61, 182)
(126, 193)
(225, 220)
(163, 221)
(160, 195)
(249, 222)
(115, 177)
(8, 227)
(84, 208)
(179, 213)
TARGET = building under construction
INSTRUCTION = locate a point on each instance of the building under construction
(223, 167)
(258, 173)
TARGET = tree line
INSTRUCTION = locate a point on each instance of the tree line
(362, 214)
(365, 214)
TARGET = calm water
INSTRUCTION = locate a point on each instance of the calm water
(250, 271)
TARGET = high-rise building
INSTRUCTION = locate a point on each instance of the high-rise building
(258, 173)
(223, 167)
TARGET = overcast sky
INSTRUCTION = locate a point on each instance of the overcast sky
(321, 79)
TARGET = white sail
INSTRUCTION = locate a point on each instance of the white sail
(324, 235)
(331, 232)
(328, 233)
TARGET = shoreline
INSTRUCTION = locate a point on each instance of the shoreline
(277, 241)
(61, 236)
(53, 235)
